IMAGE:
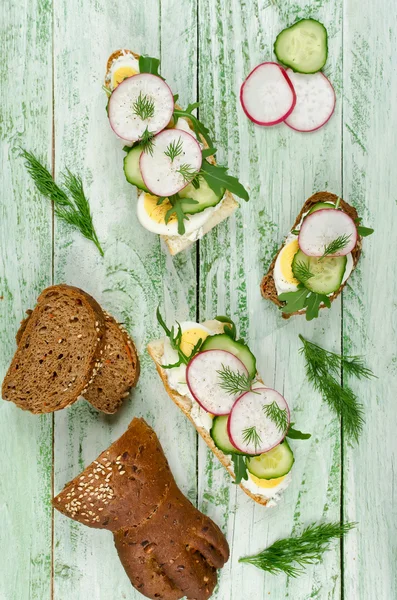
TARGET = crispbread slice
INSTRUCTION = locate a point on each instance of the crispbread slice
(118, 371)
(156, 351)
(58, 352)
(268, 287)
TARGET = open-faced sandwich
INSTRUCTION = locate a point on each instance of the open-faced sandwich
(317, 258)
(183, 193)
(211, 376)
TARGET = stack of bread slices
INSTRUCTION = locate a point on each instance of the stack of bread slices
(69, 347)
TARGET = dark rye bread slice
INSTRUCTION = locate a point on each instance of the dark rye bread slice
(118, 371)
(268, 287)
(167, 547)
(59, 349)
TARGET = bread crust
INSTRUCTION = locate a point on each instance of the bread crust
(268, 286)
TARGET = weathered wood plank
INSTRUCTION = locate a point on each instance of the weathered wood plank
(135, 275)
(369, 307)
(282, 169)
(25, 268)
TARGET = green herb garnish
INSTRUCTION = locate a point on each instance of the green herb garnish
(303, 298)
(336, 245)
(147, 142)
(229, 328)
(73, 209)
(174, 149)
(322, 368)
(147, 64)
(198, 127)
(177, 210)
(217, 178)
(307, 549)
(234, 383)
(302, 272)
(187, 172)
(239, 467)
(251, 436)
(175, 337)
(278, 415)
(295, 434)
(143, 107)
(364, 231)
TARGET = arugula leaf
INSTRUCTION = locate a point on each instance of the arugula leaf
(294, 300)
(218, 179)
(208, 152)
(176, 96)
(147, 64)
(313, 302)
(240, 468)
(127, 148)
(295, 434)
(198, 127)
(364, 231)
(231, 329)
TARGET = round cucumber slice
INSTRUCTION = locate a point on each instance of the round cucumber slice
(273, 464)
(204, 195)
(303, 47)
(221, 437)
(321, 206)
(131, 168)
(222, 341)
(327, 273)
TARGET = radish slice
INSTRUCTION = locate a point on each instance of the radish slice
(321, 228)
(315, 101)
(248, 413)
(162, 175)
(267, 95)
(204, 383)
(123, 118)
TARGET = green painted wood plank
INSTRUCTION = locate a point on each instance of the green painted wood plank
(135, 275)
(25, 268)
(369, 307)
(282, 169)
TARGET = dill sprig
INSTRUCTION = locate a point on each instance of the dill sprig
(233, 382)
(174, 149)
(307, 549)
(302, 272)
(143, 107)
(322, 368)
(277, 415)
(73, 209)
(175, 337)
(147, 141)
(251, 436)
(187, 172)
(336, 245)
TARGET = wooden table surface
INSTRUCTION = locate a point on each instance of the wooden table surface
(53, 55)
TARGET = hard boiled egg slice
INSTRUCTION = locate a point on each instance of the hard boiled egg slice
(122, 67)
(282, 273)
(152, 216)
(267, 483)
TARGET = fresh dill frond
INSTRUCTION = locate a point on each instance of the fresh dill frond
(291, 555)
(336, 245)
(302, 272)
(233, 382)
(251, 436)
(147, 141)
(278, 415)
(143, 107)
(174, 149)
(73, 209)
(187, 172)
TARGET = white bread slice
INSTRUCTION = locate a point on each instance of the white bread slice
(156, 351)
(177, 243)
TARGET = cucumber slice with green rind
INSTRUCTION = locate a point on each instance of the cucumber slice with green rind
(273, 464)
(131, 168)
(204, 195)
(327, 272)
(321, 206)
(222, 341)
(221, 437)
(303, 47)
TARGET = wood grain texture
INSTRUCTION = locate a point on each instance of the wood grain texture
(25, 268)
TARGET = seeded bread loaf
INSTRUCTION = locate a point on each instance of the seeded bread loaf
(268, 287)
(167, 547)
(60, 344)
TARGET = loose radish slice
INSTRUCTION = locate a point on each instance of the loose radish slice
(146, 88)
(249, 411)
(315, 102)
(164, 176)
(205, 384)
(267, 95)
(321, 228)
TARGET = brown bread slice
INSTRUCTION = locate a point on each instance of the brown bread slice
(118, 371)
(268, 287)
(167, 547)
(60, 345)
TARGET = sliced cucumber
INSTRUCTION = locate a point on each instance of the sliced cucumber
(222, 341)
(131, 168)
(221, 437)
(204, 195)
(327, 272)
(273, 464)
(303, 46)
(320, 206)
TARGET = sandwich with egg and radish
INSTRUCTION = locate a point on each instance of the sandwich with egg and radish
(211, 376)
(317, 258)
(170, 156)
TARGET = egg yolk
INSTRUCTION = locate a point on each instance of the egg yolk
(266, 483)
(156, 211)
(190, 339)
(286, 257)
(121, 74)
